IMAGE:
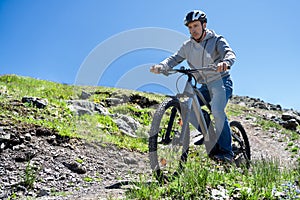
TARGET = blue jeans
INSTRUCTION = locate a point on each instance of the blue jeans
(217, 93)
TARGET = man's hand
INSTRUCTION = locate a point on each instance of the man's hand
(156, 69)
(222, 66)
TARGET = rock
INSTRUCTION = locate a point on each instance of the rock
(101, 109)
(27, 136)
(130, 161)
(286, 116)
(113, 101)
(43, 192)
(74, 167)
(35, 101)
(2, 146)
(2, 132)
(85, 95)
(5, 137)
(254, 103)
(82, 107)
(142, 101)
(290, 124)
(260, 105)
(290, 115)
(81, 111)
(127, 125)
(25, 157)
(275, 107)
(219, 193)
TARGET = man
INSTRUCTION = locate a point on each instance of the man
(206, 49)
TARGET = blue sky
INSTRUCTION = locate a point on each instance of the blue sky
(51, 39)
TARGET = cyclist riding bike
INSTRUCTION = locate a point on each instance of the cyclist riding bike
(205, 49)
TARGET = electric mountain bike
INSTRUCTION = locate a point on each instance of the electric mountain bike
(170, 133)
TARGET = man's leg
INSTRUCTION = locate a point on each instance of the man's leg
(221, 92)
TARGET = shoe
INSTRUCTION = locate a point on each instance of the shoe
(223, 158)
(235, 149)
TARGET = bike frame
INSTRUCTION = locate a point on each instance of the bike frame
(191, 107)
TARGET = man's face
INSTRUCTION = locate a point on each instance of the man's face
(195, 29)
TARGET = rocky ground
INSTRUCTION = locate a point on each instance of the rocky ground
(72, 168)
(67, 168)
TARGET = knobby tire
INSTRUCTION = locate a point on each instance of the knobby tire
(166, 155)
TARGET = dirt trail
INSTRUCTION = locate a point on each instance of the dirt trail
(265, 144)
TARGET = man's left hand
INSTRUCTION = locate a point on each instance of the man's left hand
(222, 66)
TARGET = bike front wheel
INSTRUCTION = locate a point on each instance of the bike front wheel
(240, 144)
(167, 150)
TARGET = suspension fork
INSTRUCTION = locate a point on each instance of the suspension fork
(186, 110)
(167, 139)
(200, 118)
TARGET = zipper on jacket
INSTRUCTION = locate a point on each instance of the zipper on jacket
(204, 77)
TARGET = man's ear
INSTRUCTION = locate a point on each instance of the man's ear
(204, 25)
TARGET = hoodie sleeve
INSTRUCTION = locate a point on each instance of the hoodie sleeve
(174, 59)
(226, 52)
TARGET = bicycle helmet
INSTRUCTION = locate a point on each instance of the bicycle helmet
(195, 15)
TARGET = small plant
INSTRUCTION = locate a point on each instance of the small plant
(80, 161)
(295, 149)
(290, 144)
(29, 176)
(88, 179)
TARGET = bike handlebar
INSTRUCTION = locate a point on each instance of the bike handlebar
(167, 71)
(189, 72)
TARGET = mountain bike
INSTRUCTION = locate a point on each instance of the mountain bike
(179, 116)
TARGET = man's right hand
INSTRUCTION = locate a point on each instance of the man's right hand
(156, 69)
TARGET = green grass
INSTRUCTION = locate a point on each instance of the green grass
(235, 110)
(25, 86)
(201, 178)
(267, 124)
(141, 115)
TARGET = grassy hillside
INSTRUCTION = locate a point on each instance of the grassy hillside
(58, 116)
(263, 181)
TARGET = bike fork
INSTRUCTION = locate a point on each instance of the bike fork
(186, 109)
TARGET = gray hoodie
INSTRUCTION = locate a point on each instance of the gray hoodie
(210, 51)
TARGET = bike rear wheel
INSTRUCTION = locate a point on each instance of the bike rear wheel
(240, 144)
(167, 152)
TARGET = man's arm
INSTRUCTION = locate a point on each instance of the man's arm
(226, 52)
(168, 63)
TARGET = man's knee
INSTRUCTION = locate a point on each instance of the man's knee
(218, 113)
